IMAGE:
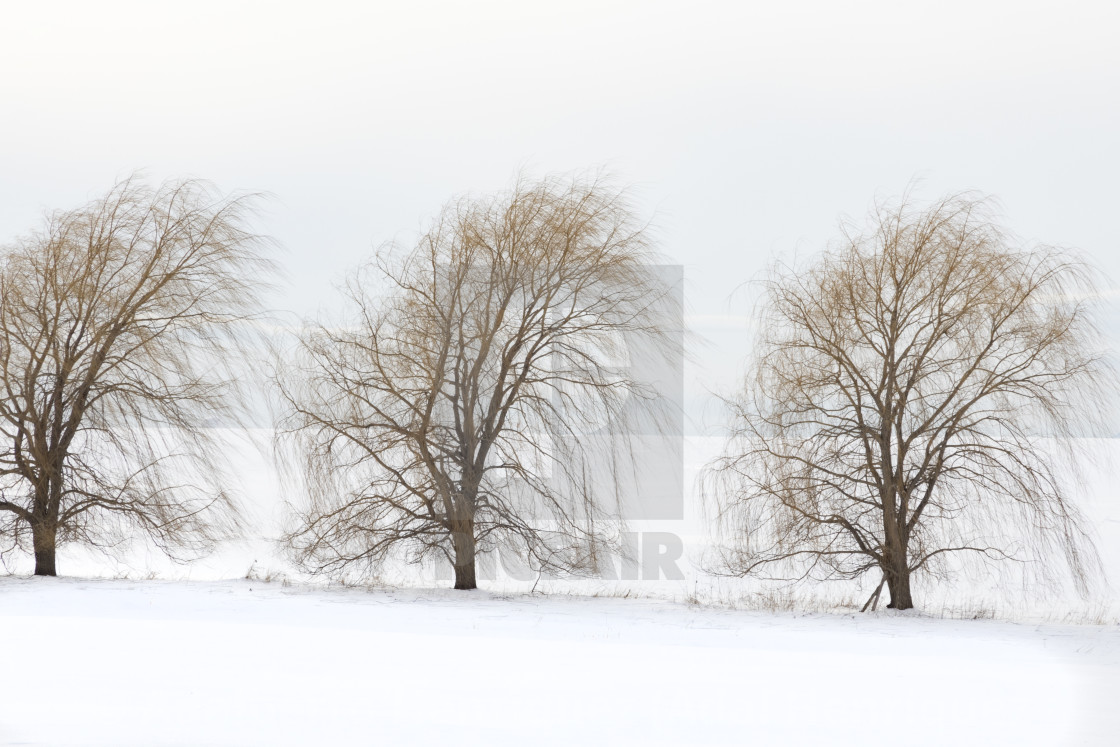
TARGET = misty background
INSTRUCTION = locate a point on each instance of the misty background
(746, 130)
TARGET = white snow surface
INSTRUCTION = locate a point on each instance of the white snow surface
(117, 662)
(135, 650)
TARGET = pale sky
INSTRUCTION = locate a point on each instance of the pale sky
(746, 129)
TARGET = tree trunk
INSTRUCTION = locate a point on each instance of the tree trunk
(43, 540)
(462, 540)
(898, 582)
(895, 560)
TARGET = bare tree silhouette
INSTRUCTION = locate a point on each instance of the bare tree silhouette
(118, 326)
(465, 407)
(893, 411)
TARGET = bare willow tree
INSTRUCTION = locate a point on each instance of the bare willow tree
(467, 407)
(118, 324)
(911, 400)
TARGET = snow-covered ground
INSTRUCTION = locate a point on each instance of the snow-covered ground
(181, 654)
(240, 662)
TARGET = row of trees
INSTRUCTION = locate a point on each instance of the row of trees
(478, 395)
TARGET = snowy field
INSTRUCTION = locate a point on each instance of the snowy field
(135, 650)
(239, 662)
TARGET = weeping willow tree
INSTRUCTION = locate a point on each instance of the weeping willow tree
(900, 386)
(119, 325)
(468, 404)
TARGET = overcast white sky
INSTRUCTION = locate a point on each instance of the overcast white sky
(747, 129)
